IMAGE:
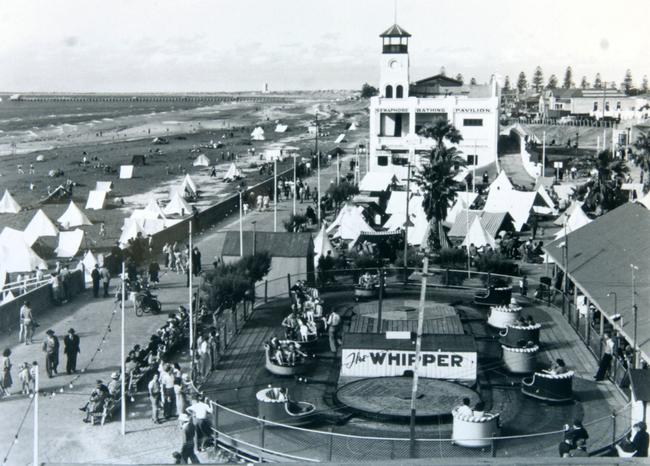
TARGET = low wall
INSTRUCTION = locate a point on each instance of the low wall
(41, 301)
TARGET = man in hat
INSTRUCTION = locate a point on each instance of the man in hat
(50, 348)
(97, 399)
(114, 385)
(71, 349)
(95, 276)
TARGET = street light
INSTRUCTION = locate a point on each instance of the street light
(635, 315)
(241, 222)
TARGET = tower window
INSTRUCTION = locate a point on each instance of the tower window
(389, 91)
(473, 122)
(595, 105)
(399, 92)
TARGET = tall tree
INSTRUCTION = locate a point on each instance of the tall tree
(459, 77)
(598, 83)
(436, 178)
(603, 192)
(627, 81)
(368, 91)
(506, 83)
(584, 84)
(568, 78)
(522, 84)
(472, 81)
(538, 79)
(642, 154)
(552, 82)
(644, 84)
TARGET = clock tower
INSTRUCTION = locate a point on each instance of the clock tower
(394, 73)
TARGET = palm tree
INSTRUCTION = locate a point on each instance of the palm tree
(436, 178)
(603, 192)
(642, 157)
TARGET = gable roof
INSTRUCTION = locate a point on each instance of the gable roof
(599, 258)
(438, 79)
(492, 222)
(478, 236)
(278, 244)
(395, 31)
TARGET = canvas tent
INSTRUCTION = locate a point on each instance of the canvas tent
(96, 200)
(464, 200)
(126, 172)
(340, 138)
(88, 264)
(189, 186)
(73, 217)
(177, 206)
(519, 204)
(418, 226)
(478, 236)
(280, 128)
(576, 220)
(353, 126)
(233, 173)
(39, 225)
(567, 213)
(16, 255)
(8, 204)
(501, 183)
(69, 243)
(154, 208)
(104, 186)
(130, 230)
(645, 200)
(258, 134)
(201, 161)
(376, 181)
(322, 246)
(349, 224)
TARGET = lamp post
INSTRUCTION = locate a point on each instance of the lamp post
(635, 317)
(241, 222)
(275, 195)
(123, 361)
(294, 184)
(407, 223)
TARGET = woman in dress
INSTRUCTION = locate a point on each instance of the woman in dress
(5, 376)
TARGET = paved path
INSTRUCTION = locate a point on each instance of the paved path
(63, 437)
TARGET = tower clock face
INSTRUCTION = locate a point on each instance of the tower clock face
(394, 65)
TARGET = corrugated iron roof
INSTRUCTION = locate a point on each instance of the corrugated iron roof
(492, 222)
(600, 255)
(278, 244)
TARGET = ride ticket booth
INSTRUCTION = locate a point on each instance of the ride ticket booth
(392, 354)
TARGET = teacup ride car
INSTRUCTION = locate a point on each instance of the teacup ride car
(274, 367)
(556, 388)
(366, 292)
(503, 316)
(517, 335)
(520, 360)
(474, 431)
(275, 406)
(494, 296)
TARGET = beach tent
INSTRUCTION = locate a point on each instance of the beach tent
(177, 206)
(377, 181)
(564, 191)
(104, 186)
(576, 220)
(39, 225)
(154, 208)
(279, 128)
(8, 204)
(69, 243)
(419, 224)
(96, 200)
(322, 245)
(73, 217)
(544, 199)
(15, 255)
(7, 297)
(126, 172)
(501, 183)
(258, 134)
(130, 230)
(138, 160)
(189, 186)
(201, 161)
(340, 138)
(349, 224)
(87, 264)
(464, 201)
(40, 158)
(478, 236)
(519, 204)
(233, 173)
(567, 213)
(353, 126)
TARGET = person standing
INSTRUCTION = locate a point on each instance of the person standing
(5, 376)
(203, 349)
(106, 279)
(49, 348)
(154, 270)
(167, 386)
(26, 331)
(199, 411)
(606, 358)
(154, 398)
(71, 349)
(333, 329)
(95, 277)
(189, 431)
(196, 261)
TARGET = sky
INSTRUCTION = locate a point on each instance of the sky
(217, 45)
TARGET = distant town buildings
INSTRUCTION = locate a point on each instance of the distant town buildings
(595, 103)
(403, 108)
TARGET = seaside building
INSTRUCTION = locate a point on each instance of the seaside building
(403, 108)
(595, 103)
